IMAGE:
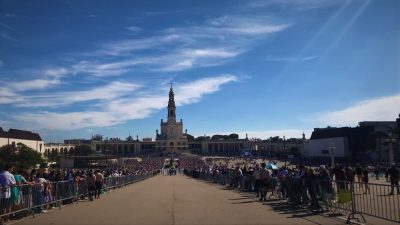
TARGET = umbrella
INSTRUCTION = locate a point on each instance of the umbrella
(271, 166)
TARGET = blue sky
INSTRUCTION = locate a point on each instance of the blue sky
(72, 68)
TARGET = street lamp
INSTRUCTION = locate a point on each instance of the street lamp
(332, 151)
(284, 149)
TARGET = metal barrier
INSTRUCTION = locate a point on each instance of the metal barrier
(34, 198)
(377, 200)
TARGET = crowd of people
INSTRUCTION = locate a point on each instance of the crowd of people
(300, 185)
(43, 188)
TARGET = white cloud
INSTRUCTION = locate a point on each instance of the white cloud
(122, 47)
(7, 96)
(296, 4)
(108, 92)
(7, 36)
(378, 109)
(189, 58)
(33, 84)
(233, 27)
(173, 61)
(10, 91)
(66, 121)
(180, 48)
(133, 28)
(290, 59)
(192, 92)
(56, 72)
(116, 110)
(210, 52)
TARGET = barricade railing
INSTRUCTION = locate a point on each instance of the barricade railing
(353, 198)
(378, 200)
(33, 198)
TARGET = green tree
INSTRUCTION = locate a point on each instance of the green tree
(201, 138)
(233, 136)
(53, 155)
(190, 137)
(21, 156)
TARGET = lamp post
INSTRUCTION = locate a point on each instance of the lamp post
(284, 149)
(332, 151)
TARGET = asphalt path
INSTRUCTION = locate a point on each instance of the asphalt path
(177, 200)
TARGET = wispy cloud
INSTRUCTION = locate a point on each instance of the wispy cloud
(11, 91)
(56, 72)
(10, 15)
(181, 48)
(378, 109)
(133, 28)
(33, 84)
(104, 93)
(117, 110)
(6, 26)
(193, 91)
(128, 46)
(296, 4)
(7, 36)
(290, 59)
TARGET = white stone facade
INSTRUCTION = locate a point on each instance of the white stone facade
(13, 137)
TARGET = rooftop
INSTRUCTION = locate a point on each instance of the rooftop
(19, 134)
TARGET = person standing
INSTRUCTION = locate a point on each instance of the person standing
(91, 179)
(7, 182)
(326, 187)
(98, 183)
(257, 180)
(359, 172)
(394, 174)
(38, 192)
(365, 180)
(264, 176)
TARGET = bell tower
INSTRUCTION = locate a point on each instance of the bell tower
(171, 138)
(171, 106)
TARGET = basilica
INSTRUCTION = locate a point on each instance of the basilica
(171, 137)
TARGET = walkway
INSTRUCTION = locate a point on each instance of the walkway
(175, 200)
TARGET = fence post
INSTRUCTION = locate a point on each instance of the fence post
(30, 199)
(354, 211)
(58, 195)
